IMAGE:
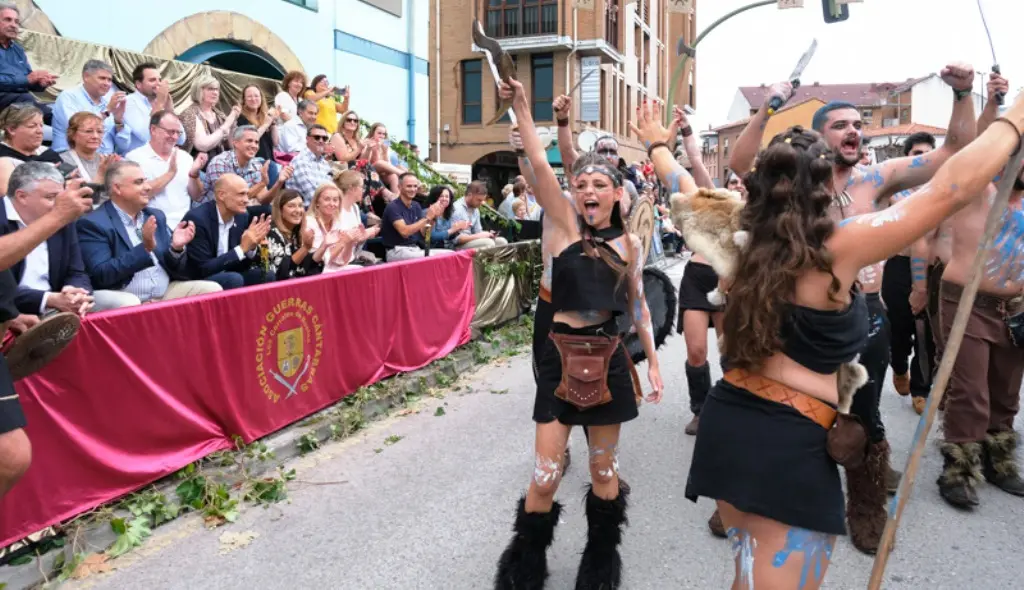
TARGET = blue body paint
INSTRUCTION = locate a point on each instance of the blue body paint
(743, 551)
(918, 162)
(1006, 262)
(817, 550)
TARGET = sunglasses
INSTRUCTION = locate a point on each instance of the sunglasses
(320, 138)
(351, 120)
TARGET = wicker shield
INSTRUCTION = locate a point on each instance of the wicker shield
(34, 349)
(641, 223)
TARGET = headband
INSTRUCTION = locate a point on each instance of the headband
(611, 173)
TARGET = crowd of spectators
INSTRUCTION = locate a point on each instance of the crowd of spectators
(197, 200)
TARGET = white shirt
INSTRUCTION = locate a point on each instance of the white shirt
(224, 232)
(174, 200)
(37, 263)
(137, 113)
(351, 219)
(149, 283)
(286, 104)
(291, 136)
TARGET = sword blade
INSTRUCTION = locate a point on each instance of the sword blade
(988, 33)
(587, 75)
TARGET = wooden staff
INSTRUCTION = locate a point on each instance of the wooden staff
(949, 354)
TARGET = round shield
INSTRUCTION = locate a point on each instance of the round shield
(34, 349)
(660, 295)
(641, 223)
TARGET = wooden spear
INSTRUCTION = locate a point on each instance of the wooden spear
(949, 354)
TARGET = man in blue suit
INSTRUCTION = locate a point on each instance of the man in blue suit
(51, 277)
(132, 257)
(227, 237)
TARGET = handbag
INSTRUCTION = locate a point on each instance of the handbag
(847, 441)
(585, 363)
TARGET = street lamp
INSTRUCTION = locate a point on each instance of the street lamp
(832, 11)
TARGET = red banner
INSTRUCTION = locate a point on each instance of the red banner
(142, 392)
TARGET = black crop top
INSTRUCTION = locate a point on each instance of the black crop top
(585, 283)
(821, 340)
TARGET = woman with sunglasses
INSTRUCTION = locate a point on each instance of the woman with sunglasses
(378, 153)
(348, 141)
(596, 276)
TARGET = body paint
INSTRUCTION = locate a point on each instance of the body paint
(919, 268)
(919, 162)
(872, 175)
(868, 275)
(598, 453)
(817, 550)
(1006, 259)
(894, 213)
(743, 545)
(674, 178)
(546, 471)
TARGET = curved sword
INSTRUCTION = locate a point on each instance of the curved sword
(502, 67)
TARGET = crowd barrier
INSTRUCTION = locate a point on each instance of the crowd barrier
(142, 392)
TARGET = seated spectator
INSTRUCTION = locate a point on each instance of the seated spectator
(403, 222)
(17, 78)
(519, 210)
(293, 133)
(52, 276)
(311, 168)
(227, 237)
(397, 160)
(243, 162)
(468, 209)
(348, 141)
(96, 95)
(376, 152)
(85, 133)
(255, 113)
(287, 101)
(173, 174)
(517, 192)
(22, 125)
(207, 129)
(324, 219)
(152, 95)
(323, 94)
(444, 226)
(131, 255)
(354, 230)
(289, 249)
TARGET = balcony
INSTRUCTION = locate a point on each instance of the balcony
(520, 18)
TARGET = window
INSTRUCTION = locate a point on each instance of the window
(310, 4)
(543, 76)
(611, 24)
(392, 6)
(471, 88)
(513, 18)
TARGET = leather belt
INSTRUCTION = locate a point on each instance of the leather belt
(812, 408)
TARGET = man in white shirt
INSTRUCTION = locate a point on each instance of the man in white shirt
(174, 181)
(52, 276)
(292, 134)
(152, 95)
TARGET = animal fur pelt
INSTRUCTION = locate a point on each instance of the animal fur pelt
(710, 222)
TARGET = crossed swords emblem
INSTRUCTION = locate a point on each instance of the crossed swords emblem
(293, 386)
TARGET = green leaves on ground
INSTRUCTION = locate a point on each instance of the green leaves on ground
(130, 534)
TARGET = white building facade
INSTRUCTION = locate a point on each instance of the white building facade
(377, 47)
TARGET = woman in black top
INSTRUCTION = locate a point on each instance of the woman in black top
(793, 315)
(22, 125)
(254, 112)
(289, 245)
(596, 276)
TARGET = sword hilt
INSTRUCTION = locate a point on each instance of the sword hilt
(1000, 96)
(777, 102)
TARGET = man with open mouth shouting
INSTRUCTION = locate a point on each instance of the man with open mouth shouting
(859, 190)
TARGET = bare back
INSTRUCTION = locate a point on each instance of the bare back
(1003, 269)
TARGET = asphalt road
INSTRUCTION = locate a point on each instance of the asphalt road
(434, 510)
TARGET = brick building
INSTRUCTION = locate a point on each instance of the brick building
(629, 45)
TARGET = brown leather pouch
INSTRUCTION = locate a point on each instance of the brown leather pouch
(585, 362)
(847, 441)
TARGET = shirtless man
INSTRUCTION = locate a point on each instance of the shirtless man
(911, 332)
(858, 191)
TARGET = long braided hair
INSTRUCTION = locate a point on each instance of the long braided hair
(588, 163)
(787, 216)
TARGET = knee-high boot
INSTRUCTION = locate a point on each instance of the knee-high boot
(601, 565)
(524, 563)
(866, 498)
(698, 382)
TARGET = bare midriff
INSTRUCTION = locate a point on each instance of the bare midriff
(784, 370)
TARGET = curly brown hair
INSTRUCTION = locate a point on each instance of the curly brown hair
(787, 216)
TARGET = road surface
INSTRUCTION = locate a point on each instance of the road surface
(434, 510)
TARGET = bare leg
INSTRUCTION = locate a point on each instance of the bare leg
(601, 564)
(770, 554)
(547, 470)
(15, 458)
(698, 373)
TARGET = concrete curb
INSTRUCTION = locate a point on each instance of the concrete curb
(284, 443)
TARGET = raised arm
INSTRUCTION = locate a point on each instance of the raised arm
(70, 204)
(563, 112)
(867, 239)
(996, 84)
(905, 173)
(748, 145)
(547, 189)
(692, 149)
(642, 319)
(657, 139)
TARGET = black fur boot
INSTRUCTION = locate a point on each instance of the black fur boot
(698, 383)
(524, 563)
(999, 462)
(601, 566)
(961, 473)
(866, 498)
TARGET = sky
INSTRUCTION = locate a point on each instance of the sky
(883, 41)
